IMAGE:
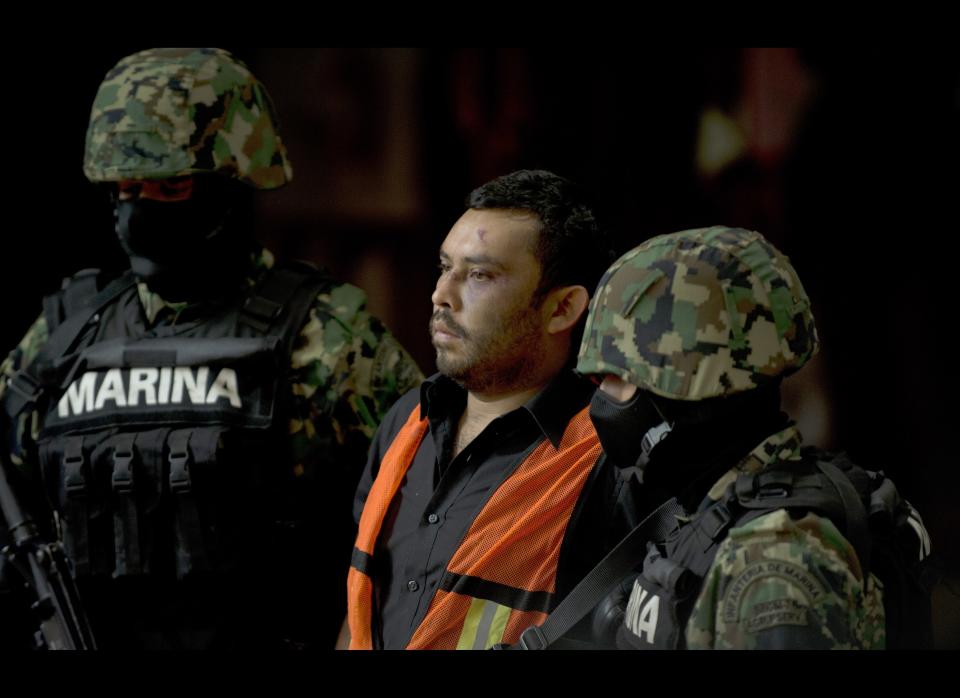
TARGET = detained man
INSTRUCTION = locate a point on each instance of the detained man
(485, 498)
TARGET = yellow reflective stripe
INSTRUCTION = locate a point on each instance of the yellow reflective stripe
(470, 624)
(484, 625)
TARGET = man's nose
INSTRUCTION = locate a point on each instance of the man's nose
(446, 294)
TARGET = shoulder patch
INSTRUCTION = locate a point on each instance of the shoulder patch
(769, 593)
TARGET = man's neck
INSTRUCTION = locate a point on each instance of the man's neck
(483, 408)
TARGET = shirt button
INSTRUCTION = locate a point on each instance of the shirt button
(433, 518)
(412, 585)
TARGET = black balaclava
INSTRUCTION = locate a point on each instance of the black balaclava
(190, 250)
(622, 426)
(680, 448)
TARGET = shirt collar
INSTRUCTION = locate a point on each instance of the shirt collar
(551, 409)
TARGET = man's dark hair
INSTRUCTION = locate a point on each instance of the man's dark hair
(572, 248)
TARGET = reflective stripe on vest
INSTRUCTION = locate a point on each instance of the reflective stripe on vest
(502, 578)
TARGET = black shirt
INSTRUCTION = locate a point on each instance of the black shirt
(440, 496)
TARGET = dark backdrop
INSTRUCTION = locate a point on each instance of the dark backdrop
(845, 158)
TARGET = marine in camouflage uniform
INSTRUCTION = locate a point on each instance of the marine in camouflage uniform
(705, 323)
(177, 124)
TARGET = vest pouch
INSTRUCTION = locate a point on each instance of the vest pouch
(192, 486)
(126, 519)
(657, 602)
(80, 491)
(134, 462)
(901, 550)
(607, 618)
(142, 520)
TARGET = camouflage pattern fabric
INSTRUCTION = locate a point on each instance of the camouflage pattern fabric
(348, 370)
(699, 314)
(164, 113)
(25, 430)
(781, 583)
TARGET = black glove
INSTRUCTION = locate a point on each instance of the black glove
(608, 616)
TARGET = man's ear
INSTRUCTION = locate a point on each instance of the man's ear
(565, 306)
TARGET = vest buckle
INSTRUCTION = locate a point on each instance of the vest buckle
(179, 472)
(122, 472)
(533, 639)
(262, 309)
(74, 481)
(24, 385)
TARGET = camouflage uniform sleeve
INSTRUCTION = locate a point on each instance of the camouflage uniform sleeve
(348, 372)
(386, 433)
(23, 433)
(779, 583)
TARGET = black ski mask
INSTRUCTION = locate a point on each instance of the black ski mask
(706, 438)
(188, 250)
(627, 429)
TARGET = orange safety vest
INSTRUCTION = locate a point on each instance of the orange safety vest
(509, 552)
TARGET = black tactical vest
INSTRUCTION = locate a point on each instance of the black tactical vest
(163, 450)
(166, 455)
(865, 507)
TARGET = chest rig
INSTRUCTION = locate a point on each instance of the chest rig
(163, 450)
(883, 529)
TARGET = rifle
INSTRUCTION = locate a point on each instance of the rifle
(63, 623)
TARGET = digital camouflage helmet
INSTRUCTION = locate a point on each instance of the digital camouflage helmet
(163, 113)
(699, 314)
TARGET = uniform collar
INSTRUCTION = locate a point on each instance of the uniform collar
(784, 445)
(153, 303)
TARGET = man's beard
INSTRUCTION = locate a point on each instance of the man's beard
(504, 357)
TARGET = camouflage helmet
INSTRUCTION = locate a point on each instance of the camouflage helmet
(699, 314)
(168, 112)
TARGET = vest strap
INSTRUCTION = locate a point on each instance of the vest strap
(28, 383)
(276, 293)
(602, 578)
(855, 516)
